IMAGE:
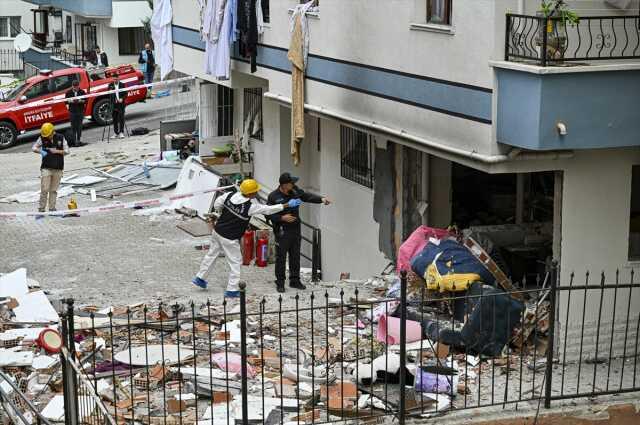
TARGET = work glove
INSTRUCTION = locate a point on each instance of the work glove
(293, 203)
(43, 152)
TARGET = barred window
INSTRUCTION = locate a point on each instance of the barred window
(356, 153)
(225, 111)
(439, 12)
(252, 113)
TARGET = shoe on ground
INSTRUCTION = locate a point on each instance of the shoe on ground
(232, 294)
(115, 136)
(297, 285)
(122, 135)
(201, 283)
(280, 287)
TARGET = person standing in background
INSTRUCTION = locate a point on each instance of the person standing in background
(147, 65)
(118, 100)
(99, 58)
(52, 147)
(76, 112)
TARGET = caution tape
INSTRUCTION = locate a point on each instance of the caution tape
(116, 205)
(61, 99)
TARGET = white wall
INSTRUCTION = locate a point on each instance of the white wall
(16, 8)
(596, 203)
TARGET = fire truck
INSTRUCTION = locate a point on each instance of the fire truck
(29, 105)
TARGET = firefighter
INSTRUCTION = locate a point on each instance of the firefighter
(236, 209)
(52, 147)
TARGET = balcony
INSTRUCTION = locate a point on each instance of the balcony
(551, 41)
(86, 8)
(564, 86)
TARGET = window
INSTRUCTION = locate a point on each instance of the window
(225, 111)
(439, 12)
(356, 153)
(265, 10)
(253, 112)
(131, 40)
(68, 30)
(9, 26)
(634, 222)
(64, 82)
(38, 89)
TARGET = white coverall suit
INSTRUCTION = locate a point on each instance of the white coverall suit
(231, 247)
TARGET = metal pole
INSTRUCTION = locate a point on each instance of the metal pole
(403, 341)
(506, 37)
(243, 353)
(553, 278)
(72, 387)
(314, 256)
(543, 54)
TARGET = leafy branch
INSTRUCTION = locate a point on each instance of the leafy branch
(559, 8)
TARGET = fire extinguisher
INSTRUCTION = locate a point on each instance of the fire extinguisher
(247, 247)
(262, 246)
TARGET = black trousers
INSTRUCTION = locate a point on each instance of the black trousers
(288, 243)
(76, 128)
(118, 118)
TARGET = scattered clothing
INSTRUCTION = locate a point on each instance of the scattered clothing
(248, 30)
(218, 34)
(161, 33)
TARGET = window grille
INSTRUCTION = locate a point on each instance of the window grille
(356, 153)
(252, 111)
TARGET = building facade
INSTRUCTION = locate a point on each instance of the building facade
(65, 32)
(475, 113)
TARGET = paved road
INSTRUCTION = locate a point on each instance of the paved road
(148, 114)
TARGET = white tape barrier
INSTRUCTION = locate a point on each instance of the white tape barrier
(61, 97)
(116, 205)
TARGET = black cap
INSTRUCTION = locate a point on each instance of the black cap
(287, 178)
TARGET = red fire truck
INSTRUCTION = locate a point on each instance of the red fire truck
(28, 105)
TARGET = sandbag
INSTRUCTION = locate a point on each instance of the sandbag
(415, 243)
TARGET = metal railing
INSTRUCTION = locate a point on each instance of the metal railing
(10, 60)
(18, 408)
(552, 40)
(323, 357)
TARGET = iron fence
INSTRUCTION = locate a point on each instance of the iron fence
(553, 40)
(10, 60)
(325, 356)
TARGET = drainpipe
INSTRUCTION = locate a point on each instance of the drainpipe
(513, 155)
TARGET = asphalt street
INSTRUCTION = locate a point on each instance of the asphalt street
(148, 114)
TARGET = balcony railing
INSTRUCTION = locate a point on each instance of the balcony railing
(552, 41)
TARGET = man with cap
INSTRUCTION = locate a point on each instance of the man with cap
(236, 209)
(286, 226)
(52, 147)
(76, 112)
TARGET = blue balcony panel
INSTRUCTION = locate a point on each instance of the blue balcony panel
(598, 105)
(87, 8)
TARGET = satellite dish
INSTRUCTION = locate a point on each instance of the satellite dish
(22, 42)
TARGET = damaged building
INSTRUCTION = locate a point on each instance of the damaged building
(438, 119)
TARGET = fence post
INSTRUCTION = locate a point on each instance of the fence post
(543, 53)
(243, 353)
(403, 342)
(553, 281)
(69, 383)
(314, 256)
(506, 37)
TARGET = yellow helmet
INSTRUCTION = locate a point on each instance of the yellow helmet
(249, 187)
(46, 130)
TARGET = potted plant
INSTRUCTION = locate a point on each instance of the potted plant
(555, 28)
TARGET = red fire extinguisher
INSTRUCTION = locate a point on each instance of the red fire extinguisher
(262, 247)
(247, 247)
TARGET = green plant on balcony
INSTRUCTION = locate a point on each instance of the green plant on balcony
(557, 14)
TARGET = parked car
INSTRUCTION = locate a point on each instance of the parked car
(26, 106)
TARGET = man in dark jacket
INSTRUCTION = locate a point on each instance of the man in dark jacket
(52, 147)
(99, 58)
(76, 112)
(286, 226)
(118, 100)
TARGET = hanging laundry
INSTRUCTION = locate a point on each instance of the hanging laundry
(248, 31)
(161, 35)
(259, 17)
(298, 51)
(218, 34)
